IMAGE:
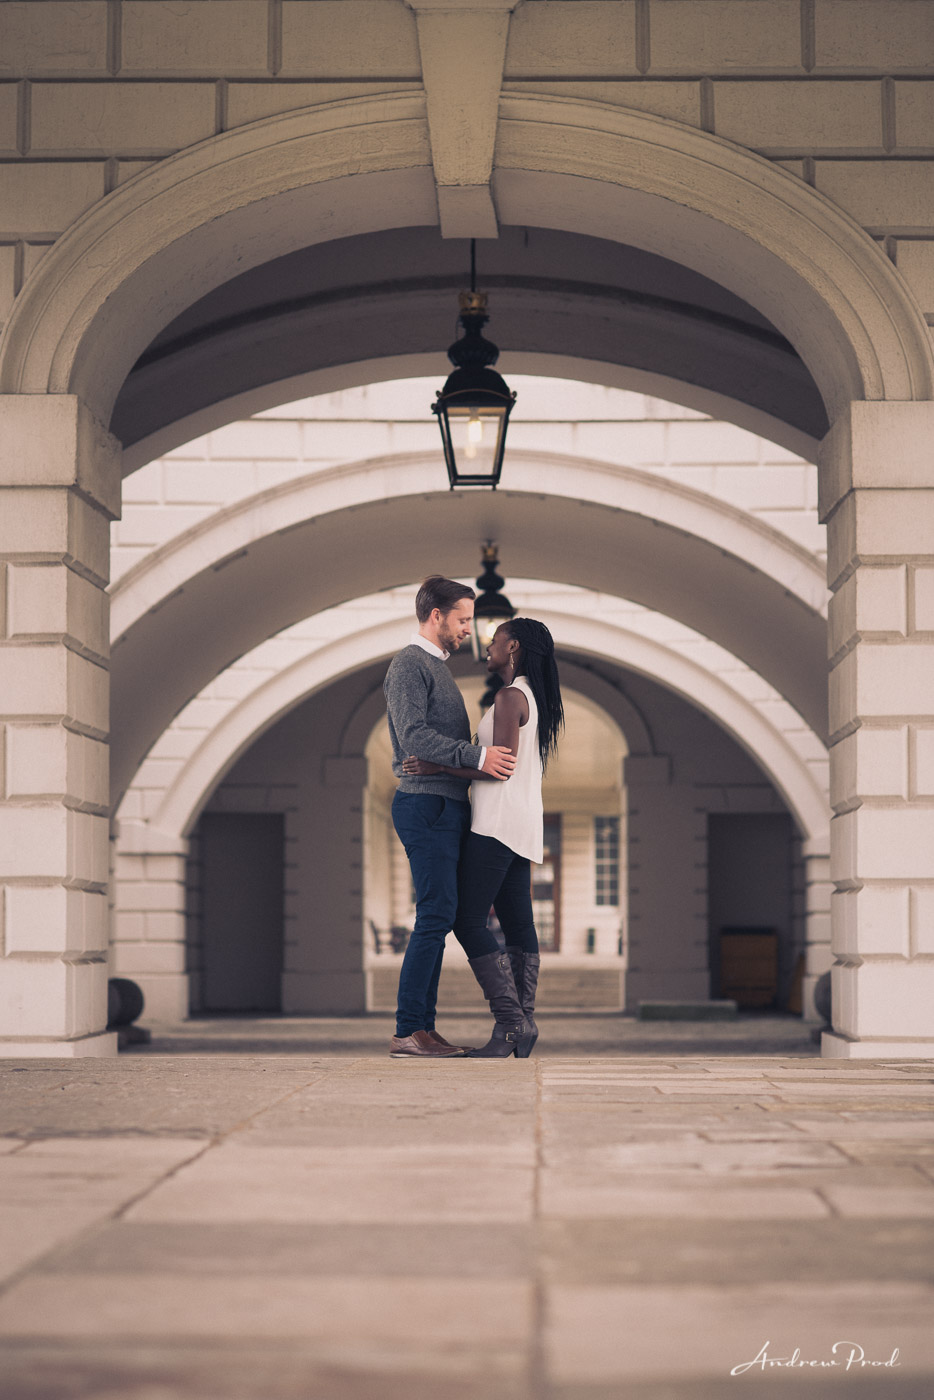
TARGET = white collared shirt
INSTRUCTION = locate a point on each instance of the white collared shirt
(417, 640)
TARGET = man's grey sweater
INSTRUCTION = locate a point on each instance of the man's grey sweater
(428, 718)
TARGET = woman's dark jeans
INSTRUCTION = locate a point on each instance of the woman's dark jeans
(490, 874)
(431, 828)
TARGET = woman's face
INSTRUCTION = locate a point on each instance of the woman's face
(501, 649)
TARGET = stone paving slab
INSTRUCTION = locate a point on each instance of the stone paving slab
(616, 1334)
(691, 1150)
(583, 1196)
(692, 1251)
(236, 1183)
(424, 1314)
(346, 1227)
(475, 1250)
(251, 1371)
(55, 1188)
(128, 1095)
(868, 1129)
(27, 1233)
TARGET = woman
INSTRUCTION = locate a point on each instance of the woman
(506, 832)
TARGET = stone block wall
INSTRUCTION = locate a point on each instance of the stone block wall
(839, 92)
(191, 483)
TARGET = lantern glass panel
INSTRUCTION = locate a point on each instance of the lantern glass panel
(476, 439)
(483, 631)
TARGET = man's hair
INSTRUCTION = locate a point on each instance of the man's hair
(441, 593)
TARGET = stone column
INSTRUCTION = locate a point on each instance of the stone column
(816, 899)
(667, 898)
(149, 921)
(877, 496)
(324, 973)
(59, 491)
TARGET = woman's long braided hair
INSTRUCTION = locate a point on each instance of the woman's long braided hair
(537, 663)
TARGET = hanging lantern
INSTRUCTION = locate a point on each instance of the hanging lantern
(474, 406)
(491, 606)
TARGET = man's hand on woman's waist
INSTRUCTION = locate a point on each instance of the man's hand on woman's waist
(499, 763)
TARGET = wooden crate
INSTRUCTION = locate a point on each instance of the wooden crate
(749, 966)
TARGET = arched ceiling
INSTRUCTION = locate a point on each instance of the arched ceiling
(391, 296)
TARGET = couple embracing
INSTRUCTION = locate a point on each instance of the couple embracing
(469, 856)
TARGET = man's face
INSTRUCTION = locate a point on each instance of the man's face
(454, 626)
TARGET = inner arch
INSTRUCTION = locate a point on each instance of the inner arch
(391, 297)
(299, 561)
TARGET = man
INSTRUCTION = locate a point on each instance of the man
(428, 719)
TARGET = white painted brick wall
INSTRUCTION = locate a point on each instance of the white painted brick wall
(630, 429)
(248, 457)
(265, 438)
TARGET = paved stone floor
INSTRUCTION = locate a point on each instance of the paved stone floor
(630, 1215)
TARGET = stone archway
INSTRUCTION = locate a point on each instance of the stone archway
(336, 779)
(144, 253)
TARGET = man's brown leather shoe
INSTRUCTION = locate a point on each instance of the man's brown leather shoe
(440, 1040)
(421, 1043)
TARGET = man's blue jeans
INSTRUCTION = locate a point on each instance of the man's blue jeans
(431, 829)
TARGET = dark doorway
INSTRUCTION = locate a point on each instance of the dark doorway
(242, 888)
(749, 902)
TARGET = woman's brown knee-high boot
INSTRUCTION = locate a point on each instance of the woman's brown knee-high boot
(525, 969)
(511, 1035)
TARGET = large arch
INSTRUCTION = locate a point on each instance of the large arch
(701, 397)
(388, 297)
(194, 221)
(575, 636)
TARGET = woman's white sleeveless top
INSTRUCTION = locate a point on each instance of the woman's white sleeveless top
(511, 811)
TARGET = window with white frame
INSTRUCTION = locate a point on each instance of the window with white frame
(606, 863)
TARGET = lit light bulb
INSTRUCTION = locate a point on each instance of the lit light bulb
(474, 437)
